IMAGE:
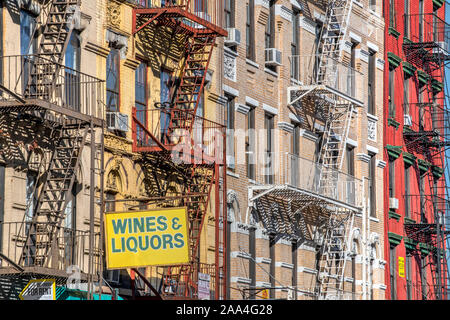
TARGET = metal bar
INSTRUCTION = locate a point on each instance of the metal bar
(92, 212)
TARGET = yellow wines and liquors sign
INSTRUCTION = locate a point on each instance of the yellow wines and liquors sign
(146, 238)
(401, 267)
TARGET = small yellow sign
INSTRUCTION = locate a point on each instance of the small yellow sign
(265, 294)
(401, 267)
(146, 238)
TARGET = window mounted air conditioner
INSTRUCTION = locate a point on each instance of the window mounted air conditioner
(407, 120)
(117, 121)
(234, 37)
(273, 57)
(393, 203)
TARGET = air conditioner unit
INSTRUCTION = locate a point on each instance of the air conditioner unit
(117, 121)
(393, 203)
(407, 120)
(234, 37)
(273, 57)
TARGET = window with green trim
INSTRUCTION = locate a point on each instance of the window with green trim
(391, 92)
(393, 271)
(407, 191)
(391, 178)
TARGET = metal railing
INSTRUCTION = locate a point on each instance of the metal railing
(175, 127)
(307, 175)
(72, 247)
(336, 75)
(33, 77)
(209, 10)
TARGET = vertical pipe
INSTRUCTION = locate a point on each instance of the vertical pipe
(102, 206)
(217, 232)
(225, 220)
(92, 212)
(364, 241)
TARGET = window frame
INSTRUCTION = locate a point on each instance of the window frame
(114, 55)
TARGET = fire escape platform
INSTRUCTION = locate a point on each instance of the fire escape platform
(322, 89)
(42, 273)
(288, 193)
(42, 106)
(181, 17)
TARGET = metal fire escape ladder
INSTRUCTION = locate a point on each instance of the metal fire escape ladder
(332, 262)
(55, 38)
(55, 194)
(188, 94)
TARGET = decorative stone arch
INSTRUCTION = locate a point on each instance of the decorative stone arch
(117, 177)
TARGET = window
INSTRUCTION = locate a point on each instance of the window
(200, 6)
(270, 31)
(250, 144)
(408, 191)
(295, 157)
(252, 264)
(30, 195)
(423, 276)
(229, 13)
(350, 156)
(406, 95)
(72, 78)
(393, 272)
(295, 45)
(372, 185)
(269, 126)
(112, 81)
(110, 204)
(421, 109)
(407, 21)
(391, 178)
(270, 26)
(391, 93)
(70, 227)
(140, 86)
(371, 83)
(408, 276)
(28, 46)
(435, 25)
(230, 132)
(165, 105)
(421, 17)
(250, 30)
(295, 264)
(27, 25)
(352, 74)
(354, 276)
(423, 218)
(392, 14)
(272, 265)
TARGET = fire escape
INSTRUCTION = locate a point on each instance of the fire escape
(426, 136)
(181, 151)
(38, 91)
(316, 201)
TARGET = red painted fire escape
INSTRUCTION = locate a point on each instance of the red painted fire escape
(178, 144)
